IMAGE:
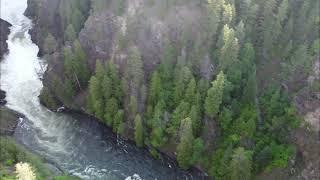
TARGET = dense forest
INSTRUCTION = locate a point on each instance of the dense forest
(209, 81)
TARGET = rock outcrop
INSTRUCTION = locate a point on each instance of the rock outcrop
(4, 32)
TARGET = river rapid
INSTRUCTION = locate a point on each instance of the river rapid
(78, 145)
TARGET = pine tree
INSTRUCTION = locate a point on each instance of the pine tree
(183, 77)
(138, 133)
(225, 120)
(228, 55)
(214, 10)
(249, 91)
(70, 33)
(195, 118)
(190, 95)
(241, 164)
(134, 73)
(81, 68)
(50, 44)
(197, 149)
(111, 108)
(133, 107)
(181, 112)
(184, 148)
(214, 96)
(96, 93)
(227, 14)
(155, 89)
(118, 121)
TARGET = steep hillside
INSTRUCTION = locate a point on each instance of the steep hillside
(145, 68)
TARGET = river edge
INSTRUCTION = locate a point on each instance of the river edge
(10, 120)
(163, 155)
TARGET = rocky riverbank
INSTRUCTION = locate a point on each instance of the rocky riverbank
(4, 32)
(8, 118)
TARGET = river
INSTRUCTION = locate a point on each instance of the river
(76, 144)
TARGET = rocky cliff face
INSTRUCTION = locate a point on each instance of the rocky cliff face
(103, 29)
(4, 32)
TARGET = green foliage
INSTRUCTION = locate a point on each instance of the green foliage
(138, 133)
(66, 178)
(118, 120)
(50, 44)
(80, 65)
(105, 96)
(157, 137)
(225, 120)
(110, 111)
(185, 147)
(134, 73)
(47, 98)
(75, 69)
(228, 54)
(197, 150)
(155, 89)
(183, 77)
(74, 12)
(12, 153)
(280, 156)
(214, 96)
(181, 112)
(239, 39)
(133, 105)
(196, 119)
(241, 164)
(95, 100)
(70, 33)
(246, 123)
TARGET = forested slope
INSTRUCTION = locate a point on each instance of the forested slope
(220, 84)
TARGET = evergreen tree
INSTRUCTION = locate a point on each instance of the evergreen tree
(111, 108)
(190, 95)
(70, 33)
(228, 55)
(214, 10)
(96, 100)
(50, 44)
(246, 123)
(80, 65)
(133, 107)
(225, 120)
(181, 112)
(241, 164)
(196, 119)
(197, 149)
(184, 148)
(118, 121)
(227, 14)
(134, 72)
(155, 89)
(214, 96)
(138, 133)
(183, 77)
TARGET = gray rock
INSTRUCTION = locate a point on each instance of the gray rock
(4, 32)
